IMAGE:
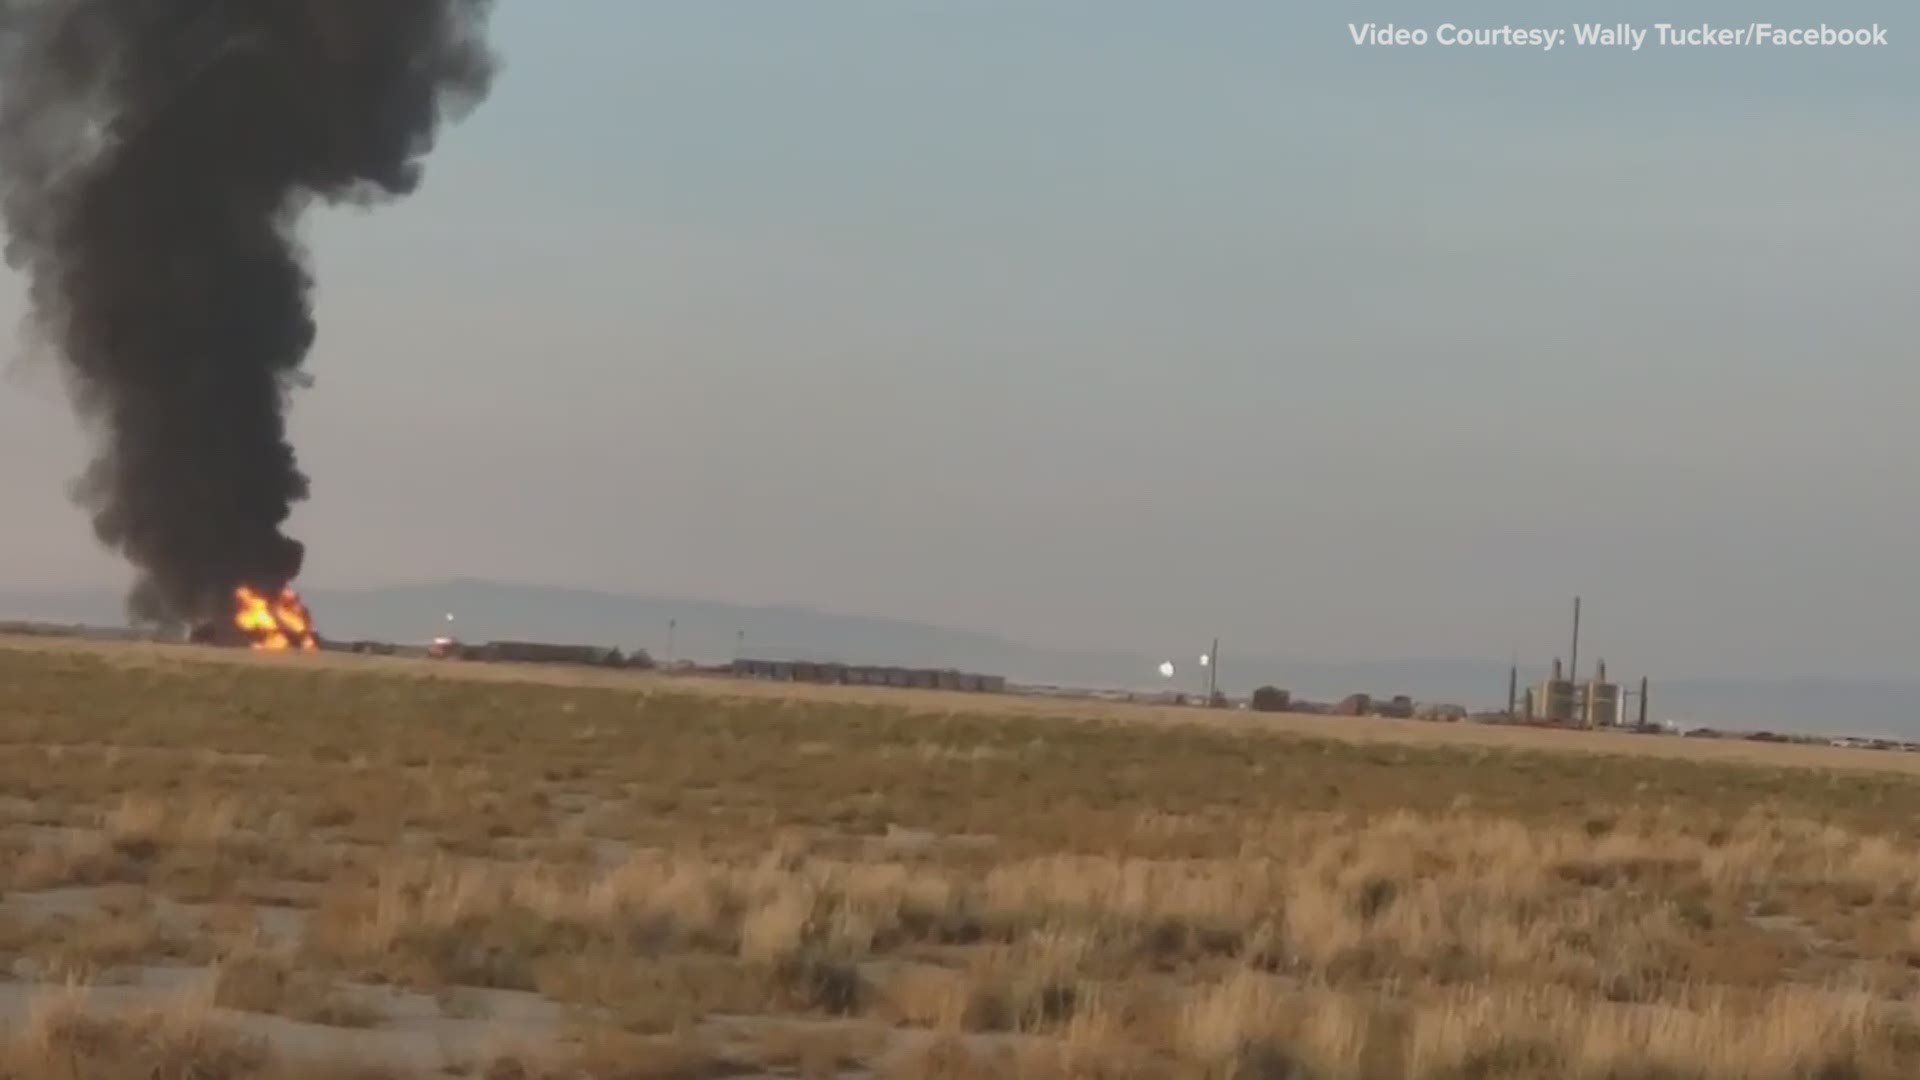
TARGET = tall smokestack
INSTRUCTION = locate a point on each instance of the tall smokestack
(1573, 658)
(155, 159)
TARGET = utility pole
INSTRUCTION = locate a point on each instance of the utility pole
(739, 644)
(1573, 660)
(1643, 701)
(1213, 672)
(1513, 685)
(671, 624)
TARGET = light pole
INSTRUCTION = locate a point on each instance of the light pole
(1211, 662)
(671, 623)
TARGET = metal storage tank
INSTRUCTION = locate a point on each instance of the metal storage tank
(1603, 699)
(1555, 699)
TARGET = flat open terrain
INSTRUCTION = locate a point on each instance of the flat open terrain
(216, 865)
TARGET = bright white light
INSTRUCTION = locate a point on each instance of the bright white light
(1205, 659)
(1166, 669)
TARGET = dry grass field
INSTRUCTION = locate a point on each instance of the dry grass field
(216, 866)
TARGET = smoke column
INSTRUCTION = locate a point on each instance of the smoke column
(156, 157)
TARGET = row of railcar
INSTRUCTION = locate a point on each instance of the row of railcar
(869, 675)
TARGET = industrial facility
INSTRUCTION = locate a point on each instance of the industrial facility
(864, 675)
(1562, 699)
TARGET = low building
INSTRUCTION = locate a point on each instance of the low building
(1399, 707)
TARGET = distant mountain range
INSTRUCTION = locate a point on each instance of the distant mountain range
(707, 630)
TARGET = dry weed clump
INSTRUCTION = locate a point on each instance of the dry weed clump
(766, 913)
(775, 928)
(602, 1054)
(138, 839)
(257, 981)
(117, 933)
(1218, 1023)
(143, 823)
(927, 997)
(1513, 1031)
(816, 1050)
(1529, 1031)
(79, 858)
(954, 1058)
(635, 935)
(438, 921)
(63, 1039)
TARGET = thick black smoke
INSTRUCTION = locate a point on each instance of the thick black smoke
(156, 157)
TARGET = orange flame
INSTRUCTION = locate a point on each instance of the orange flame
(275, 624)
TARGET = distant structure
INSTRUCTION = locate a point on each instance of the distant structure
(1270, 699)
(1563, 698)
(1573, 658)
(1555, 697)
(1602, 699)
(1639, 701)
(538, 652)
(1354, 705)
(868, 675)
(1398, 707)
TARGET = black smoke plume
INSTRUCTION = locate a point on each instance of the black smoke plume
(156, 157)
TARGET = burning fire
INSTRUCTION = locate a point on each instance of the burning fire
(277, 624)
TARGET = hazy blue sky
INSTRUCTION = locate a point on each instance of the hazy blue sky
(1125, 324)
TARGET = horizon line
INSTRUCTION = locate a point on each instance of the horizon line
(1885, 679)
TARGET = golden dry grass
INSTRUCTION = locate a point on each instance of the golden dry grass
(63, 1039)
(938, 702)
(252, 979)
(936, 886)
